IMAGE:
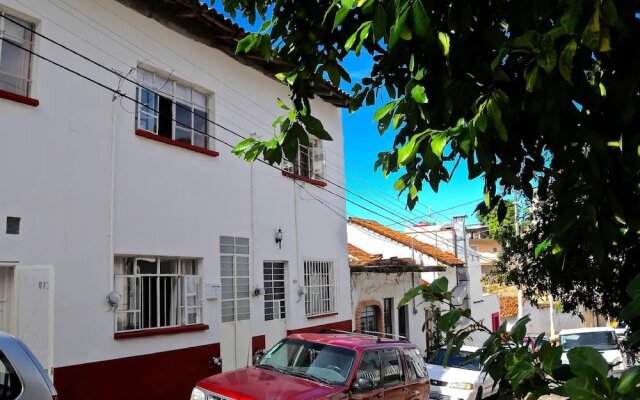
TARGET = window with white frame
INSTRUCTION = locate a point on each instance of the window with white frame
(172, 109)
(320, 288)
(274, 299)
(234, 276)
(15, 61)
(157, 292)
(310, 161)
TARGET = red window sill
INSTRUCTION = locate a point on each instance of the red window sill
(153, 136)
(19, 99)
(160, 331)
(304, 178)
(322, 316)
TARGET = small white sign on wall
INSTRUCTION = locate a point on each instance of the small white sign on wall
(212, 291)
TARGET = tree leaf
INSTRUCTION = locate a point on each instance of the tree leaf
(610, 12)
(421, 22)
(341, 14)
(551, 357)
(379, 22)
(400, 184)
(580, 389)
(542, 246)
(566, 60)
(384, 110)
(413, 192)
(444, 43)
(547, 60)
(397, 29)
(493, 110)
(587, 362)
(246, 44)
(633, 288)
(439, 142)
(631, 310)
(412, 293)
(629, 381)
(419, 95)
(439, 285)
(407, 153)
(530, 76)
(519, 329)
(281, 104)
(314, 127)
(242, 147)
(448, 320)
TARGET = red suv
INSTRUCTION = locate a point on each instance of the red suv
(325, 366)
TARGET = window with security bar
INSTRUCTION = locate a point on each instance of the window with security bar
(15, 61)
(274, 298)
(320, 288)
(172, 109)
(310, 162)
(234, 274)
(157, 292)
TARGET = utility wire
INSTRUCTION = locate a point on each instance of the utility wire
(120, 93)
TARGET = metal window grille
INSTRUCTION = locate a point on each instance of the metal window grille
(188, 109)
(320, 288)
(157, 293)
(388, 316)
(369, 319)
(15, 63)
(234, 273)
(274, 293)
(309, 163)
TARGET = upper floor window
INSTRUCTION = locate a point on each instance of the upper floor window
(157, 293)
(171, 109)
(310, 161)
(15, 62)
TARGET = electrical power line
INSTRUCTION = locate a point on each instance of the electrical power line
(119, 93)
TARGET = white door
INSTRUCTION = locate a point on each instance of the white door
(275, 304)
(33, 307)
(235, 346)
(6, 284)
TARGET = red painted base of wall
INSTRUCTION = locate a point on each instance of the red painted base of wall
(166, 375)
(341, 326)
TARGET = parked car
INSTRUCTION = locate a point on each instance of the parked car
(325, 366)
(458, 380)
(602, 339)
(22, 377)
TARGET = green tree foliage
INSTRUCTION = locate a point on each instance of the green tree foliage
(501, 221)
(524, 94)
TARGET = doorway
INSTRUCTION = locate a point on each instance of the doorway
(275, 304)
(403, 321)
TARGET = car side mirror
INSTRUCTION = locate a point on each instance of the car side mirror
(362, 385)
(258, 356)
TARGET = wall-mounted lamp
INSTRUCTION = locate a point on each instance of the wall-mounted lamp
(279, 238)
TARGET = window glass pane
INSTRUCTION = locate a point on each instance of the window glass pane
(242, 241)
(227, 240)
(14, 68)
(127, 321)
(200, 137)
(189, 267)
(145, 77)
(123, 266)
(183, 92)
(416, 367)
(147, 265)
(370, 367)
(183, 122)
(391, 367)
(199, 99)
(242, 249)
(169, 266)
(148, 114)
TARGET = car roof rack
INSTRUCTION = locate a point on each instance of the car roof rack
(378, 335)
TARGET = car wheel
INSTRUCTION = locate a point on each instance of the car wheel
(479, 395)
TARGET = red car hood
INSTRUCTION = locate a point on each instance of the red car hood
(254, 383)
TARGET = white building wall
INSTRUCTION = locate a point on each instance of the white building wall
(540, 320)
(56, 170)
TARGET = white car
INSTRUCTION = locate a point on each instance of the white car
(458, 381)
(602, 339)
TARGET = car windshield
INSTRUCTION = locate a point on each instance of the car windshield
(456, 361)
(315, 361)
(602, 340)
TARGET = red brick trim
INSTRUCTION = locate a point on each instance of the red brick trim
(341, 326)
(160, 331)
(361, 307)
(19, 98)
(304, 178)
(163, 375)
(157, 138)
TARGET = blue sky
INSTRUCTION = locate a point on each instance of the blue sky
(363, 143)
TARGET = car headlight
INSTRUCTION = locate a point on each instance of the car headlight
(461, 385)
(197, 394)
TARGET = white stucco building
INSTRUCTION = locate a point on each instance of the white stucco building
(143, 202)
(416, 258)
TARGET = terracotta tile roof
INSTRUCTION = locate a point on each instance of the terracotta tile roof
(439, 255)
(360, 255)
(508, 306)
(195, 19)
